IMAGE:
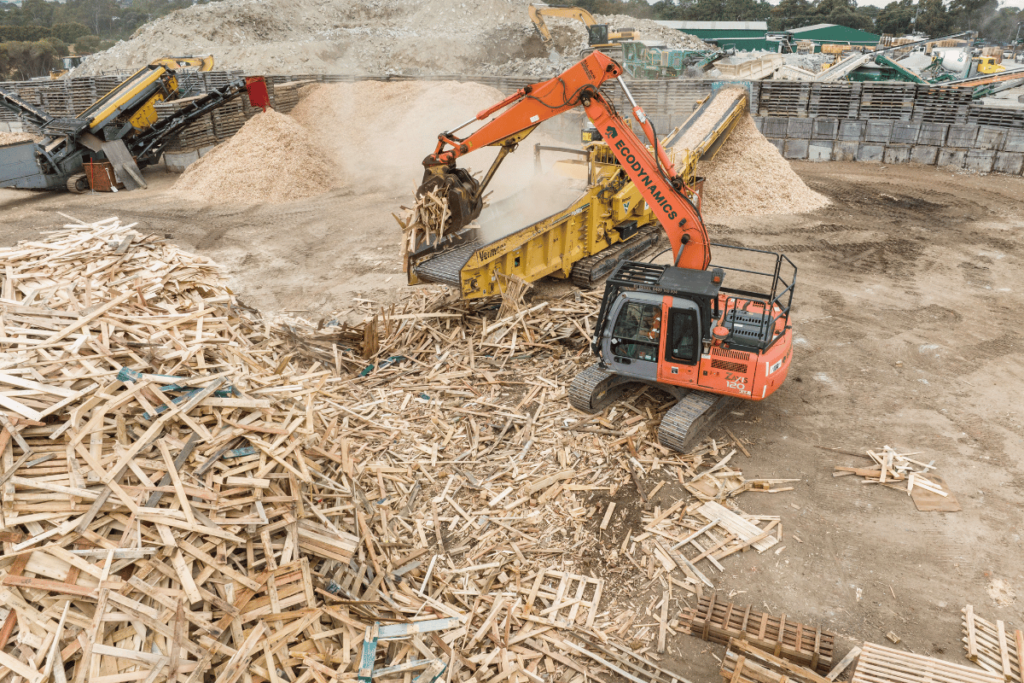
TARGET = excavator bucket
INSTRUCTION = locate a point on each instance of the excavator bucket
(458, 189)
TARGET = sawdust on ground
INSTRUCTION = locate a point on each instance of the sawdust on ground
(11, 138)
(1001, 593)
(272, 159)
(749, 177)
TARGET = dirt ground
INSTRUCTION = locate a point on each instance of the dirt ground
(908, 317)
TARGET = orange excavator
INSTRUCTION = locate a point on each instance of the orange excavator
(674, 327)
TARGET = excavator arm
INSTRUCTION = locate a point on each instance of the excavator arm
(538, 12)
(652, 173)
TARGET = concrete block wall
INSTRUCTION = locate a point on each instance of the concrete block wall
(978, 148)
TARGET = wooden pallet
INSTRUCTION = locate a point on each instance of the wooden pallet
(879, 664)
(993, 647)
(562, 598)
(784, 98)
(717, 622)
(941, 105)
(996, 116)
(744, 663)
(887, 101)
(835, 100)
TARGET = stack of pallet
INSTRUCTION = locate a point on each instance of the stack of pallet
(191, 492)
(200, 133)
(744, 663)
(720, 622)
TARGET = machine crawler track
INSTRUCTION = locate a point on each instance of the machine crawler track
(689, 419)
(593, 389)
(589, 270)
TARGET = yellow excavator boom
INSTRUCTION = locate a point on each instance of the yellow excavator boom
(198, 63)
(539, 11)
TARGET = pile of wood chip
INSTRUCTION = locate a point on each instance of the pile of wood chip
(11, 138)
(271, 159)
(191, 492)
(749, 177)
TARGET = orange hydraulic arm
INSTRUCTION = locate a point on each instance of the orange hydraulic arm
(579, 85)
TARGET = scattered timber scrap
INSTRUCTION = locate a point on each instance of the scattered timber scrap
(879, 664)
(903, 473)
(745, 663)
(191, 492)
(718, 622)
(994, 647)
(425, 223)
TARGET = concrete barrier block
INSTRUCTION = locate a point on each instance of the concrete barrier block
(1009, 162)
(851, 129)
(905, 132)
(924, 154)
(825, 129)
(845, 150)
(795, 149)
(932, 134)
(980, 160)
(896, 154)
(990, 137)
(780, 143)
(962, 136)
(949, 156)
(878, 131)
(775, 126)
(820, 150)
(758, 122)
(799, 129)
(5, 127)
(1014, 141)
(866, 152)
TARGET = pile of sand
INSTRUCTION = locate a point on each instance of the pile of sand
(749, 177)
(413, 37)
(272, 159)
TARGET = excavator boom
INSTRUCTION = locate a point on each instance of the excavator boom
(579, 85)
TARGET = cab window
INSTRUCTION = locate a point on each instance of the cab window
(637, 332)
(682, 340)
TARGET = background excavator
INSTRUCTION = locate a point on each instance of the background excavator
(599, 36)
(675, 327)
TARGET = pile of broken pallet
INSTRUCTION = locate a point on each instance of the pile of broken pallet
(193, 493)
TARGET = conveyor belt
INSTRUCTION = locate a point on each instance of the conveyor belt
(710, 138)
(446, 267)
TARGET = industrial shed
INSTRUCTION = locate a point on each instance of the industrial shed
(833, 33)
(743, 35)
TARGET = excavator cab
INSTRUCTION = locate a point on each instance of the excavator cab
(685, 332)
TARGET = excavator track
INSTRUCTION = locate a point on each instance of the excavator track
(594, 389)
(78, 183)
(588, 271)
(689, 419)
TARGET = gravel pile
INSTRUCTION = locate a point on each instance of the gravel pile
(411, 37)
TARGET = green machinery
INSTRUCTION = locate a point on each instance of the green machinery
(652, 62)
(881, 68)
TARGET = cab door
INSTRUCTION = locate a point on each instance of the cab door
(632, 345)
(682, 344)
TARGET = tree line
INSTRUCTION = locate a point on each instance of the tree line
(34, 35)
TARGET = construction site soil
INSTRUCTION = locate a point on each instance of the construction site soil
(907, 316)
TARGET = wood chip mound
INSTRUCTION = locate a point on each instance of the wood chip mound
(383, 130)
(702, 126)
(272, 159)
(11, 138)
(749, 177)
